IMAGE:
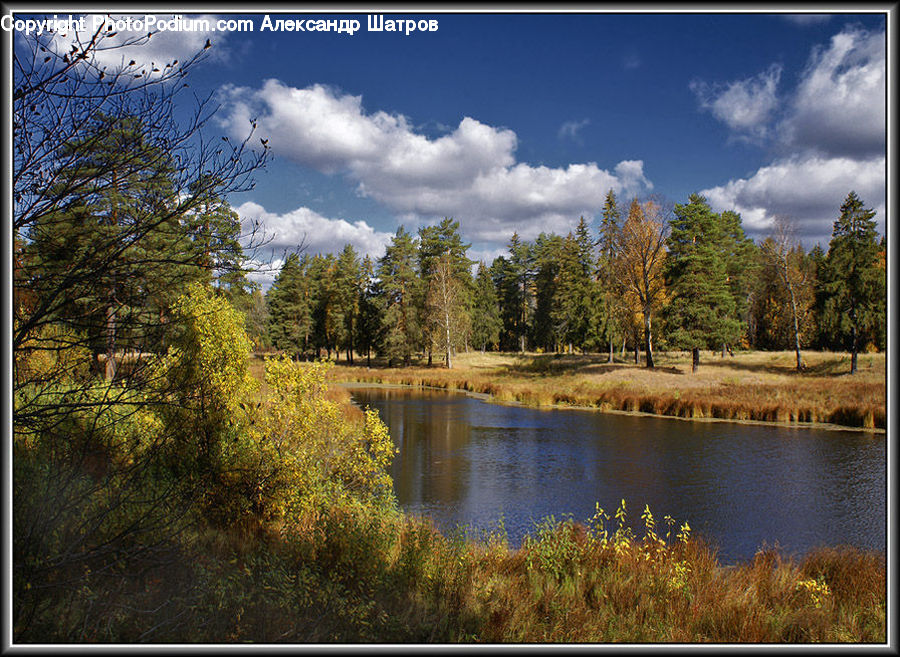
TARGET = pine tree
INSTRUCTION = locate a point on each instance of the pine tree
(401, 286)
(345, 295)
(702, 309)
(370, 310)
(518, 295)
(486, 323)
(608, 312)
(569, 307)
(546, 252)
(290, 318)
(116, 254)
(854, 282)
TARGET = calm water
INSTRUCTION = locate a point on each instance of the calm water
(465, 462)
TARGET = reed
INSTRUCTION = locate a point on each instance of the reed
(757, 386)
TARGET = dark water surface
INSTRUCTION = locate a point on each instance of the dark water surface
(463, 461)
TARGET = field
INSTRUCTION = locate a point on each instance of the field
(749, 386)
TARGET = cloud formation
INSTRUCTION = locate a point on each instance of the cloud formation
(831, 136)
(132, 45)
(839, 106)
(314, 233)
(808, 190)
(470, 173)
(745, 106)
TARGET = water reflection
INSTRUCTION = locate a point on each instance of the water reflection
(466, 462)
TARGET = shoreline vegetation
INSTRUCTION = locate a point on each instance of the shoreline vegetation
(756, 386)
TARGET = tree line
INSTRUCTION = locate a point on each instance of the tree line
(657, 276)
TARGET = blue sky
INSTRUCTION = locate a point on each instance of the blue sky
(522, 122)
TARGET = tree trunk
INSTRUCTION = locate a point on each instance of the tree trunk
(610, 351)
(695, 359)
(854, 350)
(648, 340)
(111, 342)
(796, 327)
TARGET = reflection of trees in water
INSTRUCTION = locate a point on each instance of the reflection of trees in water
(431, 467)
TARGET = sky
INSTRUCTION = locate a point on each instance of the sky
(522, 122)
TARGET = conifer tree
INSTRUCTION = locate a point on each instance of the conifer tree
(546, 252)
(854, 282)
(702, 309)
(401, 286)
(608, 312)
(290, 319)
(486, 323)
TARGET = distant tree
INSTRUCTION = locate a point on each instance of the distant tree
(486, 323)
(446, 308)
(434, 243)
(702, 309)
(639, 265)
(288, 308)
(783, 255)
(346, 290)
(546, 254)
(370, 310)
(741, 262)
(854, 280)
(402, 290)
(517, 286)
(570, 309)
(608, 311)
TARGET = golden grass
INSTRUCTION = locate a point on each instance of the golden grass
(749, 386)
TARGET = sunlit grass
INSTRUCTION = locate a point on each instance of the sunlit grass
(754, 386)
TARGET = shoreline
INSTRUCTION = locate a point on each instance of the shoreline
(493, 399)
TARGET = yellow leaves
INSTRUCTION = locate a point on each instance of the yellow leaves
(817, 590)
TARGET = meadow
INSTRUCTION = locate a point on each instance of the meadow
(748, 386)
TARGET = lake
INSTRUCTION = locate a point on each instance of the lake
(467, 462)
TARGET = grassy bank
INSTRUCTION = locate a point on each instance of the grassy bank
(298, 539)
(756, 386)
(345, 573)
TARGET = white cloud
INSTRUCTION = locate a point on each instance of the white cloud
(470, 173)
(808, 190)
(317, 234)
(570, 129)
(743, 105)
(807, 19)
(831, 135)
(161, 48)
(839, 106)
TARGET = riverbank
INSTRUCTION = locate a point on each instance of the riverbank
(749, 386)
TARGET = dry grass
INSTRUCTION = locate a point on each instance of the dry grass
(749, 386)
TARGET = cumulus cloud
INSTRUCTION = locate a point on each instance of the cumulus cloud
(808, 190)
(315, 233)
(831, 136)
(743, 105)
(470, 173)
(839, 106)
(163, 47)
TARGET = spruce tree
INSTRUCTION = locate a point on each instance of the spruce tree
(855, 283)
(486, 323)
(702, 309)
(402, 289)
(546, 251)
(290, 321)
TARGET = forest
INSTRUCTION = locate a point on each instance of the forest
(165, 492)
(670, 277)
